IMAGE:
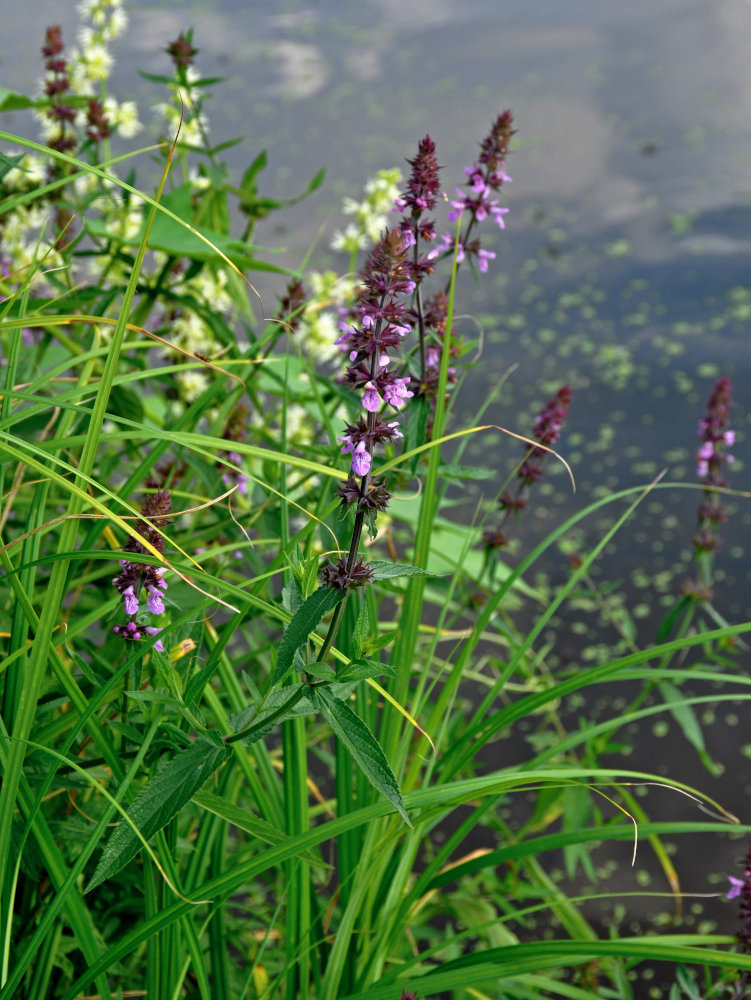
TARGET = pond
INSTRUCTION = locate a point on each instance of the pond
(623, 270)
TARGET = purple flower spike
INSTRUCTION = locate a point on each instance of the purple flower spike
(135, 576)
(715, 437)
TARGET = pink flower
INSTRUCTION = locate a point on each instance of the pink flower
(361, 460)
(736, 886)
(396, 392)
(130, 601)
(371, 401)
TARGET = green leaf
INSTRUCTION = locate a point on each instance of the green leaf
(312, 611)
(321, 671)
(11, 101)
(465, 472)
(669, 621)
(362, 744)
(269, 716)
(158, 801)
(361, 629)
(385, 570)
(8, 163)
(246, 820)
(362, 668)
(155, 77)
(168, 235)
(248, 186)
(380, 641)
(686, 718)
(126, 403)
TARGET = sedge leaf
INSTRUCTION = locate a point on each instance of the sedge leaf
(157, 802)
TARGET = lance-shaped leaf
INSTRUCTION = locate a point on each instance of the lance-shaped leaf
(362, 744)
(158, 801)
(305, 620)
(385, 570)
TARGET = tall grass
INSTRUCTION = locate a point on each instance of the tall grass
(288, 788)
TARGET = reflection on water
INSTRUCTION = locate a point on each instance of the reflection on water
(624, 267)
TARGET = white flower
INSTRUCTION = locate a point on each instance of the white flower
(192, 384)
(123, 117)
(211, 288)
(118, 22)
(197, 181)
(80, 81)
(299, 427)
(97, 62)
(84, 184)
(351, 240)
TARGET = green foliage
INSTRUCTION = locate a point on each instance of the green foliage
(362, 835)
(159, 800)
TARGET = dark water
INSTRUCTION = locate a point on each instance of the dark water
(624, 269)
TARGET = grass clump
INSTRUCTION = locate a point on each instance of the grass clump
(254, 672)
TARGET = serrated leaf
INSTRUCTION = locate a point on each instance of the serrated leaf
(380, 641)
(361, 669)
(361, 629)
(362, 744)
(157, 802)
(251, 715)
(321, 671)
(311, 612)
(197, 683)
(385, 570)
(291, 596)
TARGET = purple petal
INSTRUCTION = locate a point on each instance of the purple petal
(361, 460)
(736, 887)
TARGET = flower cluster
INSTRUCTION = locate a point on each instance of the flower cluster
(740, 888)
(370, 214)
(185, 110)
(370, 346)
(420, 196)
(715, 436)
(547, 430)
(235, 431)
(135, 576)
(485, 179)
(82, 74)
(59, 114)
